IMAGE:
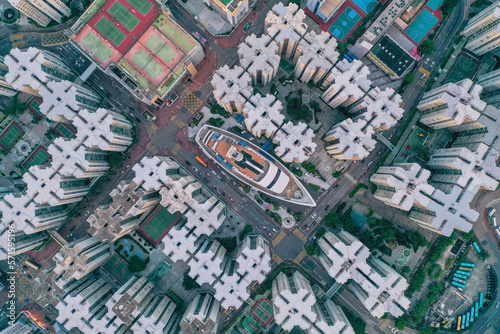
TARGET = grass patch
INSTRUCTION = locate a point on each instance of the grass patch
(358, 187)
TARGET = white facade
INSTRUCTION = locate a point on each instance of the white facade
(201, 315)
(295, 142)
(208, 263)
(331, 320)
(258, 56)
(346, 83)
(293, 302)
(81, 257)
(483, 30)
(379, 287)
(452, 105)
(229, 289)
(315, 56)
(41, 11)
(6, 88)
(233, 11)
(285, 25)
(32, 11)
(350, 140)
(263, 115)
(232, 87)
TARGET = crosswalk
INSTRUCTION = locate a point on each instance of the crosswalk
(151, 149)
(176, 148)
(350, 178)
(299, 233)
(299, 258)
(177, 122)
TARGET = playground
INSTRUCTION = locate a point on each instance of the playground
(415, 141)
(157, 224)
(10, 135)
(421, 26)
(464, 67)
(38, 157)
(346, 22)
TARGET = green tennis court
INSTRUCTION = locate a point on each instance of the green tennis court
(123, 16)
(344, 23)
(35, 105)
(111, 262)
(64, 130)
(119, 268)
(261, 314)
(267, 307)
(142, 6)
(10, 136)
(159, 224)
(148, 64)
(161, 49)
(38, 159)
(112, 33)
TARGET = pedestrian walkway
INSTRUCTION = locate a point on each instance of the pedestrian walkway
(350, 178)
(299, 258)
(277, 259)
(209, 19)
(278, 238)
(301, 235)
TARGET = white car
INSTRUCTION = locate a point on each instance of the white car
(314, 215)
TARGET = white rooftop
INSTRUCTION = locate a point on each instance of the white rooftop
(295, 142)
(263, 114)
(286, 22)
(319, 50)
(207, 264)
(355, 139)
(231, 85)
(258, 54)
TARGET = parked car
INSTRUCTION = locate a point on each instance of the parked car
(327, 207)
(336, 187)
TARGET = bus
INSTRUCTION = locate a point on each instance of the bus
(481, 299)
(476, 246)
(464, 269)
(477, 309)
(32, 265)
(459, 276)
(459, 322)
(466, 273)
(472, 314)
(465, 264)
(201, 161)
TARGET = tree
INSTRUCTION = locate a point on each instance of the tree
(448, 6)
(468, 236)
(400, 323)
(217, 122)
(115, 159)
(136, 264)
(297, 110)
(331, 219)
(320, 232)
(427, 47)
(247, 229)
(312, 249)
(228, 243)
(421, 308)
(218, 110)
(14, 107)
(315, 106)
(409, 78)
(309, 167)
(189, 283)
(483, 255)
(337, 174)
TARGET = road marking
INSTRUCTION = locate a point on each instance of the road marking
(176, 148)
(191, 102)
(299, 258)
(17, 36)
(54, 38)
(276, 258)
(152, 129)
(299, 233)
(177, 121)
(19, 44)
(384, 323)
(350, 178)
(278, 238)
(151, 149)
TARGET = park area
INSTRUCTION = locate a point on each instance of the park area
(157, 224)
(415, 141)
(10, 136)
(465, 67)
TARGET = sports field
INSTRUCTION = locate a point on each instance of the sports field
(412, 144)
(97, 47)
(10, 135)
(123, 16)
(464, 68)
(157, 226)
(35, 105)
(148, 64)
(142, 6)
(263, 312)
(365, 5)
(38, 157)
(111, 262)
(160, 48)
(434, 4)
(63, 130)
(344, 23)
(421, 26)
(110, 31)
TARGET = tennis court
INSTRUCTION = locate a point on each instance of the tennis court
(111, 262)
(38, 157)
(421, 26)
(344, 23)
(148, 64)
(10, 135)
(464, 68)
(112, 33)
(97, 47)
(142, 6)
(35, 105)
(123, 16)
(159, 224)
(119, 269)
(266, 306)
(161, 49)
(366, 5)
(63, 130)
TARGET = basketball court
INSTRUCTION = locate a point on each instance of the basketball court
(412, 144)
(365, 5)
(421, 26)
(345, 22)
(464, 68)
